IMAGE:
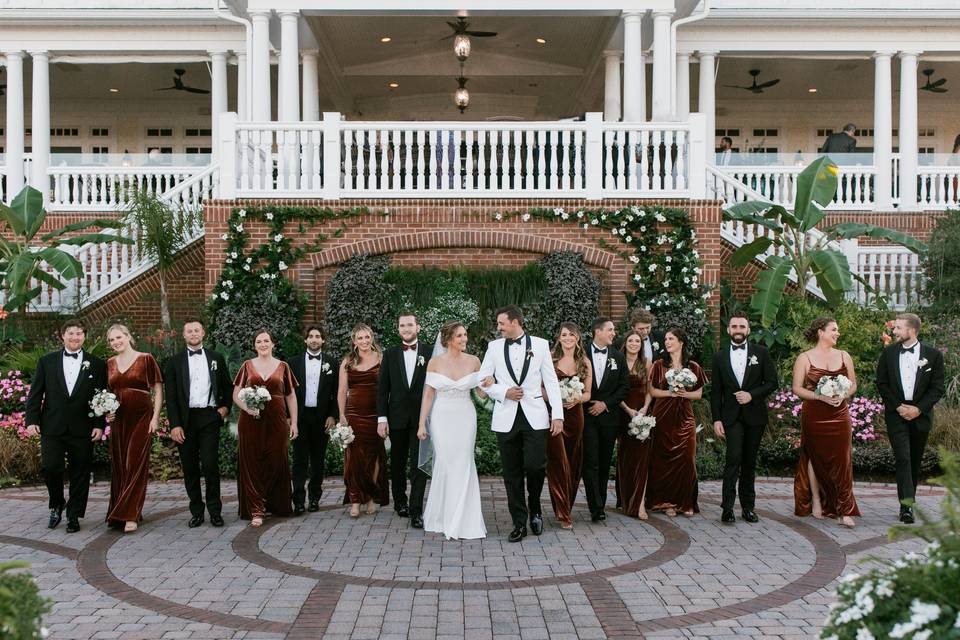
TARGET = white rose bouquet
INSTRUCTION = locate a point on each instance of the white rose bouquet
(571, 389)
(103, 403)
(834, 386)
(640, 426)
(341, 436)
(255, 398)
(680, 380)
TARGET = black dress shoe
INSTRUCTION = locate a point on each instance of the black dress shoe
(314, 506)
(906, 515)
(403, 511)
(216, 520)
(517, 534)
(195, 522)
(73, 525)
(56, 515)
(750, 516)
(416, 522)
(599, 516)
(536, 525)
(727, 517)
(298, 509)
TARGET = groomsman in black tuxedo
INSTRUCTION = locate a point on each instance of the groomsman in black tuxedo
(601, 420)
(641, 321)
(317, 410)
(910, 378)
(58, 410)
(399, 394)
(199, 396)
(743, 377)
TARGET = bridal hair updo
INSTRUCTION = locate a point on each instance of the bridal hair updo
(448, 331)
(812, 333)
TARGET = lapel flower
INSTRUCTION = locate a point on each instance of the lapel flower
(922, 362)
(655, 345)
(420, 361)
(85, 365)
(325, 367)
(611, 364)
(213, 365)
(753, 360)
(529, 354)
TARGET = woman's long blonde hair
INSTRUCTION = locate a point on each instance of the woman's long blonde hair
(353, 356)
(579, 353)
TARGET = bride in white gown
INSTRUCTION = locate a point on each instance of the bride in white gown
(453, 505)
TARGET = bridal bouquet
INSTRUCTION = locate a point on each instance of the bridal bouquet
(640, 426)
(341, 436)
(255, 397)
(834, 386)
(680, 380)
(103, 403)
(571, 389)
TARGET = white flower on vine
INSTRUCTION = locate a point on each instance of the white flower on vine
(498, 216)
(628, 239)
(643, 228)
(637, 277)
(278, 237)
(525, 217)
(586, 226)
(246, 267)
(594, 221)
(264, 276)
(643, 247)
(622, 231)
(249, 260)
(613, 232)
(680, 245)
(213, 297)
(268, 215)
(662, 240)
(652, 268)
(239, 228)
(564, 216)
(641, 286)
(224, 295)
(242, 213)
(660, 217)
(282, 265)
(559, 212)
(224, 237)
(634, 259)
(669, 259)
(228, 283)
(579, 214)
(233, 254)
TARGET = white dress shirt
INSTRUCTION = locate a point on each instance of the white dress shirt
(199, 380)
(71, 369)
(648, 349)
(410, 363)
(599, 364)
(908, 370)
(738, 361)
(312, 370)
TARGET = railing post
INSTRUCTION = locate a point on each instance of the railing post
(851, 250)
(331, 155)
(593, 156)
(697, 156)
(227, 131)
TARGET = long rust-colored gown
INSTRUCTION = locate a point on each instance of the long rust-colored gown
(130, 437)
(365, 460)
(263, 470)
(672, 482)
(826, 435)
(565, 459)
(633, 457)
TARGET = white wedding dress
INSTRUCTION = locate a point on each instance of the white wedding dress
(453, 506)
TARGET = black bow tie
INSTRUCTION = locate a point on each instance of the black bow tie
(514, 340)
(735, 347)
(310, 356)
(71, 355)
(603, 351)
(410, 347)
(902, 349)
(194, 353)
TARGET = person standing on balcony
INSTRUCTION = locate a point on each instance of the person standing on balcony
(842, 142)
(198, 401)
(58, 410)
(910, 380)
(725, 155)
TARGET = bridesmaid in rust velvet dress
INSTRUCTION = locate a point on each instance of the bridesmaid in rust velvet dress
(564, 450)
(823, 485)
(633, 457)
(132, 376)
(365, 460)
(263, 435)
(672, 483)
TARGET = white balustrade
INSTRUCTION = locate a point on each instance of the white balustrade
(778, 184)
(938, 187)
(646, 159)
(109, 188)
(282, 160)
(892, 272)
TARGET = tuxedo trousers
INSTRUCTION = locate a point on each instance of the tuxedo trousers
(309, 455)
(523, 454)
(78, 452)
(200, 456)
(599, 441)
(908, 444)
(404, 450)
(743, 445)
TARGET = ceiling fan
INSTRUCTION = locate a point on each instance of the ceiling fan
(179, 86)
(755, 88)
(461, 27)
(934, 86)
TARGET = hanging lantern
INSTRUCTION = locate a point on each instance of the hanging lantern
(461, 97)
(461, 46)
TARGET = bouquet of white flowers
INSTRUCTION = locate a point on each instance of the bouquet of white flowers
(103, 403)
(640, 426)
(571, 389)
(680, 380)
(834, 386)
(341, 436)
(255, 397)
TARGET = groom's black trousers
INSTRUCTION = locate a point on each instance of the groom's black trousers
(523, 452)
(404, 449)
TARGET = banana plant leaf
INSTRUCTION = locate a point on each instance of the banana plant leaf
(846, 230)
(102, 223)
(817, 183)
(742, 256)
(770, 285)
(25, 215)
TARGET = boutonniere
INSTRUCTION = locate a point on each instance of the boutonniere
(213, 365)
(325, 367)
(655, 345)
(922, 362)
(85, 365)
(611, 364)
(420, 361)
(753, 360)
(529, 354)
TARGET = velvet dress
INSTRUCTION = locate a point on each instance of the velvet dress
(565, 459)
(633, 456)
(365, 460)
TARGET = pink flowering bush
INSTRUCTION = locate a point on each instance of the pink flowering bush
(13, 392)
(865, 415)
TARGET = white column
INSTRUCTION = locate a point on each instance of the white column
(40, 123)
(882, 130)
(218, 94)
(242, 113)
(908, 130)
(260, 62)
(634, 101)
(611, 85)
(14, 146)
(311, 90)
(683, 87)
(660, 108)
(708, 101)
(289, 66)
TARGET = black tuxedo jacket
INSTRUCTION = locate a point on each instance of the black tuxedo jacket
(326, 390)
(613, 388)
(396, 399)
(927, 390)
(176, 376)
(759, 380)
(57, 412)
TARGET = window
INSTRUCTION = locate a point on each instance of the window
(733, 133)
(198, 133)
(926, 132)
(858, 133)
(766, 133)
(199, 150)
(66, 132)
(99, 132)
(823, 133)
(159, 132)
(161, 149)
(100, 151)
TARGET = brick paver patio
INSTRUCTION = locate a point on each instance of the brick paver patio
(326, 575)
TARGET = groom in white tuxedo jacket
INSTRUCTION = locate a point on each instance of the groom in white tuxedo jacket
(522, 368)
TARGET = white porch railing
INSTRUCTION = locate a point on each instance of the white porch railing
(108, 188)
(938, 187)
(779, 184)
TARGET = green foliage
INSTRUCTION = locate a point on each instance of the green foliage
(570, 294)
(943, 332)
(875, 459)
(278, 307)
(21, 606)
(435, 296)
(358, 293)
(941, 265)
